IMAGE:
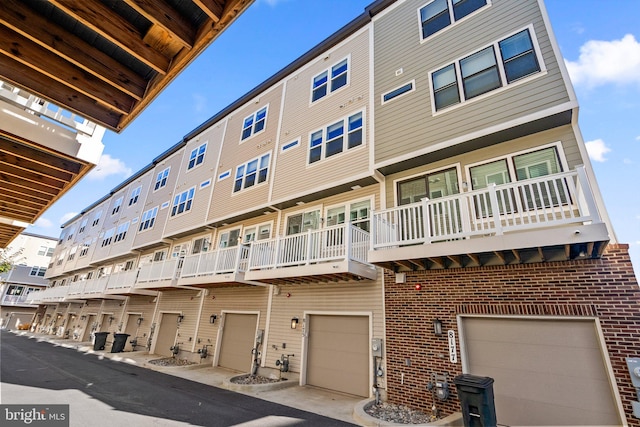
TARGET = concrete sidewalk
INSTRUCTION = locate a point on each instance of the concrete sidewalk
(323, 402)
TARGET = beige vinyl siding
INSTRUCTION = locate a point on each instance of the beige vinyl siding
(109, 221)
(90, 234)
(225, 202)
(293, 175)
(186, 302)
(145, 305)
(320, 298)
(407, 124)
(564, 134)
(157, 198)
(206, 171)
(113, 308)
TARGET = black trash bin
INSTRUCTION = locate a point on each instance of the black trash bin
(119, 342)
(476, 399)
(100, 339)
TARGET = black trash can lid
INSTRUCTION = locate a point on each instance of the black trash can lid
(126, 335)
(473, 381)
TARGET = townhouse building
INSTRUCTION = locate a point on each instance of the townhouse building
(408, 201)
(30, 255)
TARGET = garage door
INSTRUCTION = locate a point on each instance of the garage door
(547, 372)
(338, 353)
(238, 339)
(166, 334)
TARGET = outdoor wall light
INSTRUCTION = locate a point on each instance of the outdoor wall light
(294, 322)
(111, 319)
(139, 321)
(180, 318)
(437, 327)
(212, 318)
(83, 317)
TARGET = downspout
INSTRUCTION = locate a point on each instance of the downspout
(203, 295)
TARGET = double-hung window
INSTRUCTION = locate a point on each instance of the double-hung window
(493, 67)
(197, 156)
(135, 195)
(336, 138)
(85, 248)
(121, 232)
(148, 218)
(439, 14)
(183, 201)
(108, 237)
(330, 80)
(96, 219)
(251, 173)
(83, 225)
(161, 179)
(116, 206)
(255, 123)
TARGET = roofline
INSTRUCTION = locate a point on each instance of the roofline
(347, 30)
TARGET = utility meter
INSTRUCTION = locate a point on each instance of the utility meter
(376, 347)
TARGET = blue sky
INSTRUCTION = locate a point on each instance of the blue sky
(600, 41)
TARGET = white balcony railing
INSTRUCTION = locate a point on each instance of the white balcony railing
(95, 286)
(549, 201)
(122, 279)
(55, 294)
(17, 299)
(156, 271)
(328, 244)
(220, 261)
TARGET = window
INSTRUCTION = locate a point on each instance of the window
(397, 92)
(432, 185)
(291, 145)
(108, 237)
(116, 206)
(260, 232)
(161, 179)
(83, 225)
(498, 65)
(121, 233)
(200, 245)
(302, 222)
(229, 238)
(254, 124)
(439, 14)
(251, 173)
(179, 250)
(135, 194)
(70, 235)
(85, 248)
(224, 175)
(332, 140)
(159, 256)
(520, 167)
(197, 156)
(96, 219)
(38, 271)
(148, 218)
(182, 202)
(359, 213)
(45, 251)
(72, 253)
(330, 80)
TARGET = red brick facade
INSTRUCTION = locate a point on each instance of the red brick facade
(605, 288)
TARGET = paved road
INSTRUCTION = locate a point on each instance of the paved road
(102, 392)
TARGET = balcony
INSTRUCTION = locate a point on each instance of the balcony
(49, 296)
(18, 300)
(544, 219)
(219, 267)
(123, 283)
(332, 254)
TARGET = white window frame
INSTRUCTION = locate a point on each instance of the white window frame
(413, 89)
(116, 205)
(135, 195)
(500, 65)
(345, 138)
(226, 234)
(161, 179)
(318, 208)
(96, 219)
(85, 248)
(108, 237)
(252, 125)
(329, 81)
(196, 156)
(453, 21)
(457, 167)
(243, 177)
(83, 225)
(189, 195)
(347, 210)
(291, 145)
(509, 158)
(148, 219)
(255, 230)
(121, 232)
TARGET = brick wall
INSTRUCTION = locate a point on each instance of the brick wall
(605, 288)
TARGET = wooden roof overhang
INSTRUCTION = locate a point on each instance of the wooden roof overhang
(106, 59)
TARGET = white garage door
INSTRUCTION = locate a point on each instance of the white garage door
(546, 372)
(238, 339)
(338, 353)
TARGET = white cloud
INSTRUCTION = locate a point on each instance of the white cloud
(273, 3)
(638, 138)
(199, 102)
(109, 166)
(43, 222)
(602, 62)
(66, 217)
(597, 149)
